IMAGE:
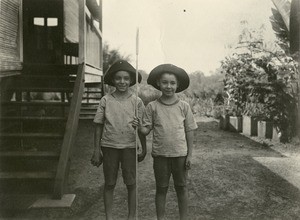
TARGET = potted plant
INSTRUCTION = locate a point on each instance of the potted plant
(224, 119)
(250, 119)
(276, 134)
(235, 121)
(281, 102)
(264, 128)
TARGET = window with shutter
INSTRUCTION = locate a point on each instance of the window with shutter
(10, 57)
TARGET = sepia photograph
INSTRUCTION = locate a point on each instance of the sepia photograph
(144, 110)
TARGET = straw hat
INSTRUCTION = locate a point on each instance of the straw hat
(182, 77)
(121, 65)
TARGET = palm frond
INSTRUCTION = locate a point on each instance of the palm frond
(280, 30)
(278, 25)
(284, 8)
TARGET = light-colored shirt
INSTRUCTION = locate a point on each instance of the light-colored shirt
(117, 115)
(169, 124)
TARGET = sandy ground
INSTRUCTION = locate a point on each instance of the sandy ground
(225, 182)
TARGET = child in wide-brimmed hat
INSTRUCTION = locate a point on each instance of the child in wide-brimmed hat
(172, 123)
(114, 138)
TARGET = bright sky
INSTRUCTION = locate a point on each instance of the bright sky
(191, 34)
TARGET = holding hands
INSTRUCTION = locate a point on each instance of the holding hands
(142, 156)
(136, 122)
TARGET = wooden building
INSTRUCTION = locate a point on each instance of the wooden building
(50, 67)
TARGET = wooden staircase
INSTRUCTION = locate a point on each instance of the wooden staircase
(38, 128)
(93, 92)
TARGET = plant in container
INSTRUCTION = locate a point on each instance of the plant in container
(252, 113)
(265, 129)
(280, 97)
(235, 121)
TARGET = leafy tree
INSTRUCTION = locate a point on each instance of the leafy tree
(204, 87)
(111, 55)
(240, 70)
(260, 80)
(287, 29)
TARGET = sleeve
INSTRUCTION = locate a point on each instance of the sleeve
(100, 114)
(189, 122)
(148, 117)
(141, 108)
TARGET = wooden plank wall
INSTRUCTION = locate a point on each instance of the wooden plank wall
(93, 46)
(10, 43)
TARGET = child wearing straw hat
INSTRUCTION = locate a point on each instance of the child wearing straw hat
(115, 138)
(173, 124)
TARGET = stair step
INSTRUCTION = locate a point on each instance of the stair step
(35, 103)
(23, 118)
(86, 118)
(93, 85)
(27, 175)
(84, 104)
(87, 113)
(93, 92)
(98, 98)
(31, 135)
(39, 154)
(94, 107)
(90, 103)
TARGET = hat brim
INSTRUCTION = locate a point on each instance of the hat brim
(181, 75)
(121, 65)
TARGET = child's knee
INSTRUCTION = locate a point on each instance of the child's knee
(181, 189)
(109, 186)
(162, 190)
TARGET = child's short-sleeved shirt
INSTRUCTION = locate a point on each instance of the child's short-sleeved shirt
(169, 124)
(117, 116)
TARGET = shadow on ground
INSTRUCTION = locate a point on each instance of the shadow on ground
(225, 183)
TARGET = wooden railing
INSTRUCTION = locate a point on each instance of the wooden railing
(70, 134)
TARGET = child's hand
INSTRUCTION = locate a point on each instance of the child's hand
(97, 158)
(141, 156)
(188, 162)
(135, 122)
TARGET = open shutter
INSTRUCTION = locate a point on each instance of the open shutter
(9, 36)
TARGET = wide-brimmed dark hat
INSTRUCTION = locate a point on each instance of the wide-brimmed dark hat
(181, 75)
(121, 65)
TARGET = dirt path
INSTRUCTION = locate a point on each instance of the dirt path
(225, 183)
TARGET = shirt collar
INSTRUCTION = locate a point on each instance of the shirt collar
(174, 103)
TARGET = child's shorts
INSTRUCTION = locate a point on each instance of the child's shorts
(165, 166)
(111, 160)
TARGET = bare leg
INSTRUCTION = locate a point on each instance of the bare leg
(160, 201)
(108, 200)
(182, 196)
(131, 201)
